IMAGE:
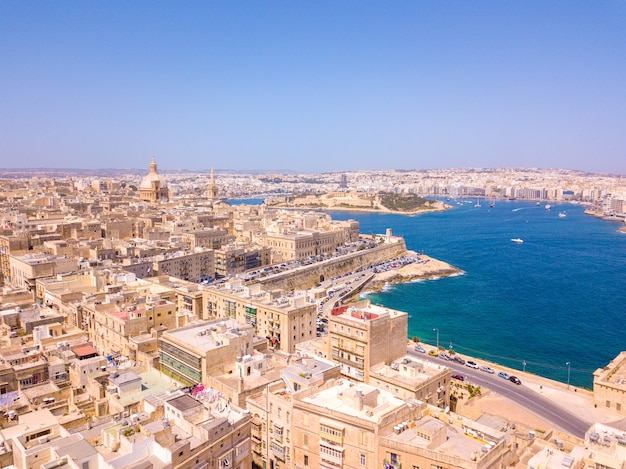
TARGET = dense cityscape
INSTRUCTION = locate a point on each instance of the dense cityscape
(150, 319)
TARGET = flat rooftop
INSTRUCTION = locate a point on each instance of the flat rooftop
(207, 336)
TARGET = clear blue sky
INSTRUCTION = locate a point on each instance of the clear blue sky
(313, 86)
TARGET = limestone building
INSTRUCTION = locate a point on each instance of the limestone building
(361, 335)
(339, 425)
(153, 187)
(203, 348)
(284, 319)
(609, 385)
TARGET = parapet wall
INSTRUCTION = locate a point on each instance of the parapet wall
(308, 276)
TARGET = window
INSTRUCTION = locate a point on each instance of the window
(363, 459)
(608, 404)
(305, 440)
(306, 460)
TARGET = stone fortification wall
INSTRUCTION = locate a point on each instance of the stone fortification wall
(308, 276)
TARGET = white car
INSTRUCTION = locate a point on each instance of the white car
(472, 364)
(486, 369)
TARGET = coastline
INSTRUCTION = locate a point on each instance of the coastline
(437, 206)
(429, 268)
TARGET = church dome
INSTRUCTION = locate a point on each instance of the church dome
(147, 183)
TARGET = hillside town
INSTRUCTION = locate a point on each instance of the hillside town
(146, 322)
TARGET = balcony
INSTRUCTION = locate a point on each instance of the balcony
(278, 451)
(330, 453)
(355, 350)
(278, 432)
(358, 363)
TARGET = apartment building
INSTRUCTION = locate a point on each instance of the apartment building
(211, 238)
(428, 441)
(236, 259)
(191, 266)
(272, 409)
(29, 365)
(110, 323)
(201, 349)
(26, 269)
(361, 335)
(339, 425)
(38, 440)
(414, 378)
(285, 320)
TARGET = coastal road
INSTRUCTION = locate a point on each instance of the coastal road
(520, 394)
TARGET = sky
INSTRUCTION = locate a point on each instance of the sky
(313, 86)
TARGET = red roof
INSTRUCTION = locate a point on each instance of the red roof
(84, 350)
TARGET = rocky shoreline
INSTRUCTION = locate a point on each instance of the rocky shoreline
(429, 268)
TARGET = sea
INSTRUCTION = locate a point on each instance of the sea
(552, 305)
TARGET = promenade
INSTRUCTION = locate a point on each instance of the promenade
(573, 399)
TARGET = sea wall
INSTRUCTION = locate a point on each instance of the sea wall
(306, 277)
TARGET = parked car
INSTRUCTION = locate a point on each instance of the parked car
(504, 375)
(433, 353)
(472, 364)
(486, 369)
(420, 349)
(445, 356)
(459, 360)
(459, 377)
(515, 379)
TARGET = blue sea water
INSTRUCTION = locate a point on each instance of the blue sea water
(556, 298)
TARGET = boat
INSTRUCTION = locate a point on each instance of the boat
(517, 240)
(547, 207)
(492, 204)
(477, 204)
(562, 214)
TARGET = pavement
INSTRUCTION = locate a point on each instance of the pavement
(571, 398)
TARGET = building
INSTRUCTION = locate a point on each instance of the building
(213, 189)
(414, 378)
(339, 425)
(361, 335)
(299, 245)
(427, 441)
(26, 269)
(201, 349)
(284, 319)
(153, 187)
(236, 259)
(192, 266)
(609, 385)
(272, 409)
(111, 323)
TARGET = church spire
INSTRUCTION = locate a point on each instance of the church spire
(212, 191)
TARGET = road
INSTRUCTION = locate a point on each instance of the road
(520, 394)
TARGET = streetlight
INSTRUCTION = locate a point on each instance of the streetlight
(524, 365)
(568, 370)
(437, 331)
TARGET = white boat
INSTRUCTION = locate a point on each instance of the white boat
(562, 214)
(548, 207)
(477, 204)
(517, 240)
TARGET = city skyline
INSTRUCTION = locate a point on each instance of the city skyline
(313, 88)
